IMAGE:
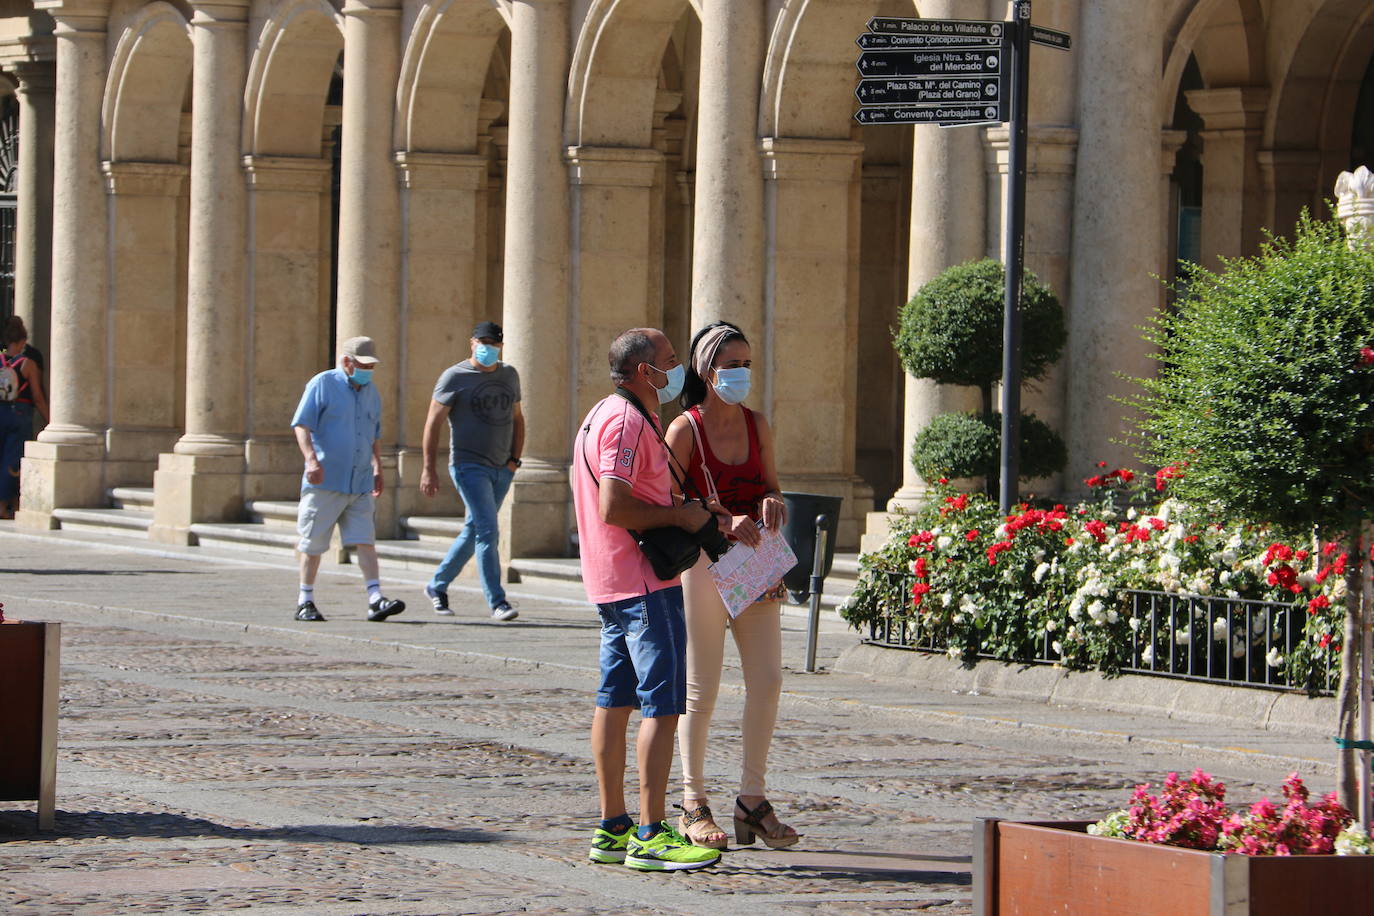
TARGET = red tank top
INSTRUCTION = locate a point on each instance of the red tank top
(741, 486)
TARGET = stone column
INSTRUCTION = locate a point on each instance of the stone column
(33, 217)
(535, 294)
(370, 222)
(1170, 142)
(443, 222)
(614, 250)
(728, 256)
(285, 278)
(1116, 215)
(1292, 180)
(1232, 193)
(145, 302)
(202, 478)
(64, 467)
(814, 318)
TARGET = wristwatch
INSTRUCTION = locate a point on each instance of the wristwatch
(515, 461)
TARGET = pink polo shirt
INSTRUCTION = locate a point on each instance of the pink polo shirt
(617, 442)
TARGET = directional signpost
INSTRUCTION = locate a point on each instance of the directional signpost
(959, 72)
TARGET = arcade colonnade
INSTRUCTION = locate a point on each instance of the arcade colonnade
(238, 184)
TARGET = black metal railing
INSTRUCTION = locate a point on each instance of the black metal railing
(1235, 641)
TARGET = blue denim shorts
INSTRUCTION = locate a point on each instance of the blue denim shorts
(644, 654)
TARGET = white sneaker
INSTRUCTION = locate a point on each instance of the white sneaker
(504, 611)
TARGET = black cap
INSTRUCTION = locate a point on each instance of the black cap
(489, 329)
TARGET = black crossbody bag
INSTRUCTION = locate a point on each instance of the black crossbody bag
(670, 550)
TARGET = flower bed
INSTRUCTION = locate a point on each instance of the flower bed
(1117, 583)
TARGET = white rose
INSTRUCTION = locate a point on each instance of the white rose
(1182, 636)
(1134, 624)
(1274, 658)
(1040, 571)
(943, 542)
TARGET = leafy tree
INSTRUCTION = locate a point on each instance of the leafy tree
(1266, 394)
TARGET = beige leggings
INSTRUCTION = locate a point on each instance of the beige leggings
(758, 637)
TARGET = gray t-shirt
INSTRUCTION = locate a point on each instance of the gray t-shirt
(482, 412)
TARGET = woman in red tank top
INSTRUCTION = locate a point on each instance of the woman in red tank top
(728, 451)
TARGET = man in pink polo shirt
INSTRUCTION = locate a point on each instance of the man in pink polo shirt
(621, 482)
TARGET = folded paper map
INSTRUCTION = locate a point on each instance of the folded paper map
(745, 573)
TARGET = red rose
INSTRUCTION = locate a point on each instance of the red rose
(972, 535)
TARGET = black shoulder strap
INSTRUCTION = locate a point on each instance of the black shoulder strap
(684, 481)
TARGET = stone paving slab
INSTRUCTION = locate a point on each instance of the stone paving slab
(215, 756)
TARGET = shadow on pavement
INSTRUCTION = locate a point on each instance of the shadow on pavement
(106, 572)
(21, 826)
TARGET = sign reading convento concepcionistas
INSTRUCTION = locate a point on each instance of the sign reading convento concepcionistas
(958, 72)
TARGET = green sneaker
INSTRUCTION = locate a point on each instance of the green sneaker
(608, 847)
(667, 850)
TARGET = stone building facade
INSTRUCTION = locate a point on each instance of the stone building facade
(211, 193)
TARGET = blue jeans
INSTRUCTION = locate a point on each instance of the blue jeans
(644, 654)
(483, 489)
(16, 428)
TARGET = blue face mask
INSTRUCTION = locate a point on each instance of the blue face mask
(732, 385)
(676, 376)
(486, 354)
(360, 376)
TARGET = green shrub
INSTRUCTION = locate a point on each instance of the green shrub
(968, 445)
(951, 330)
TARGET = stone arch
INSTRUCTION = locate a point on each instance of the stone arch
(1228, 39)
(1317, 84)
(808, 73)
(447, 64)
(293, 62)
(147, 86)
(613, 82)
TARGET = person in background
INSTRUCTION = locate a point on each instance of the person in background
(728, 451)
(21, 394)
(338, 427)
(480, 396)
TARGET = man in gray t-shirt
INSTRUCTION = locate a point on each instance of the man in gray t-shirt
(480, 396)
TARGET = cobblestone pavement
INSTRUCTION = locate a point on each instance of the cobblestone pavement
(209, 766)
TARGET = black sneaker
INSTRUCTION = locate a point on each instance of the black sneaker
(306, 610)
(440, 601)
(503, 611)
(383, 608)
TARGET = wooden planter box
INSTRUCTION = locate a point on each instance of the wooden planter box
(29, 656)
(1057, 867)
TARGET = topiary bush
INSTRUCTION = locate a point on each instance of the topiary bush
(951, 330)
(969, 445)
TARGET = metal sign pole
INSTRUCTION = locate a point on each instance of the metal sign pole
(1014, 255)
(1366, 656)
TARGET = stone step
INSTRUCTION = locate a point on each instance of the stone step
(124, 522)
(137, 498)
(252, 536)
(273, 513)
(432, 529)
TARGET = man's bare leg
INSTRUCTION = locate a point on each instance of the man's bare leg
(655, 753)
(608, 750)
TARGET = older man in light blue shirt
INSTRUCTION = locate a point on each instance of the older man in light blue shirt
(338, 426)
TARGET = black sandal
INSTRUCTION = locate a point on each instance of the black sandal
(751, 824)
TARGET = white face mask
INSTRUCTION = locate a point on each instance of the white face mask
(732, 385)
